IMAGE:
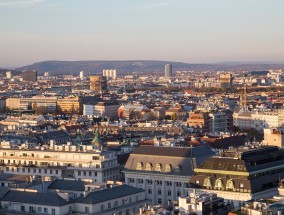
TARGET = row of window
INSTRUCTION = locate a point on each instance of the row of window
(159, 192)
(158, 167)
(157, 182)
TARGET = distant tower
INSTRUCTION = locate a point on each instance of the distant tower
(46, 74)
(225, 80)
(82, 75)
(98, 84)
(168, 71)
(8, 74)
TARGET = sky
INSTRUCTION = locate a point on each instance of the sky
(191, 31)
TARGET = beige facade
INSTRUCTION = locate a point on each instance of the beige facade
(273, 138)
(68, 105)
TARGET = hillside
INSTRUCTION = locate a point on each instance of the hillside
(124, 67)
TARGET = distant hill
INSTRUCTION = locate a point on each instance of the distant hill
(123, 67)
(14, 72)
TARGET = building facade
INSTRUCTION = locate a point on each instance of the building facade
(98, 84)
(164, 172)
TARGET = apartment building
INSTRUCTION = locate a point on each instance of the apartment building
(79, 162)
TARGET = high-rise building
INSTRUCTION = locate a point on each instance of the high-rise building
(109, 73)
(81, 75)
(29, 75)
(46, 74)
(8, 74)
(168, 70)
(98, 84)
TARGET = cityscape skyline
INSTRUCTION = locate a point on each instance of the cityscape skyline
(184, 31)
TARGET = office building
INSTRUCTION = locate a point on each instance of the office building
(98, 84)
(29, 75)
(109, 73)
(168, 71)
(241, 175)
(164, 172)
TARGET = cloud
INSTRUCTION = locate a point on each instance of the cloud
(8, 3)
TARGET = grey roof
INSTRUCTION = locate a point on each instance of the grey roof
(182, 160)
(68, 185)
(3, 191)
(109, 194)
(172, 151)
(14, 177)
(51, 199)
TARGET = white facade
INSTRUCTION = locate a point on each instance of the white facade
(61, 161)
(159, 188)
(109, 73)
(81, 75)
(8, 74)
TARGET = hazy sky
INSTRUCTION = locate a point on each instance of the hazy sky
(190, 31)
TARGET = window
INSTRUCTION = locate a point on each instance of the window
(158, 167)
(39, 209)
(230, 185)
(86, 210)
(31, 209)
(53, 211)
(149, 191)
(109, 205)
(169, 192)
(177, 168)
(159, 192)
(168, 168)
(218, 184)
(23, 208)
(79, 173)
(139, 166)
(148, 166)
(241, 185)
(45, 210)
(207, 183)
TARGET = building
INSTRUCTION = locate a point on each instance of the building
(259, 120)
(177, 112)
(203, 204)
(46, 74)
(61, 161)
(98, 84)
(68, 105)
(8, 74)
(164, 172)
(109, 73)
(273, 137)
(241, 175)
(168, 71)
(225, 80)
(37, 103)
(81, 75)
(198, 121)
(122, 199)
(101, 109)
(29, 75)
(30, 201)
(117, 199)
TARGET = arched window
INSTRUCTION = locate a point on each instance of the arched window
(230, 185)
(207, 183)
(178, 168)
(218, 184)
(168, 168)
(158, 167)
(148, 166)
(139, 166)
